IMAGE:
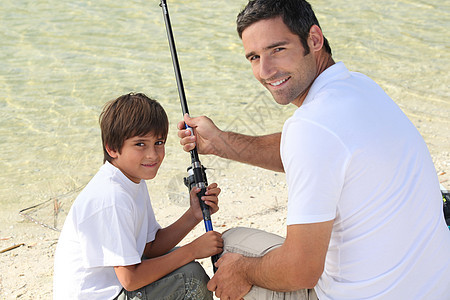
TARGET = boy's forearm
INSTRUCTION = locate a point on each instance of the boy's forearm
(261, 151)
(150, 270)
(167, 238)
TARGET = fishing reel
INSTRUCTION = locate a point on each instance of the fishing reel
(446, 198)
(189, 181)
(197, 177)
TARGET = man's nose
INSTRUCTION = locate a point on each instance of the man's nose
(266, 68)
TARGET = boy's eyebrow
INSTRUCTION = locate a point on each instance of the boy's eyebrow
(143, 138)
(271, 46)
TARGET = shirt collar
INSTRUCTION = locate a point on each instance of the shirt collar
(332, 73)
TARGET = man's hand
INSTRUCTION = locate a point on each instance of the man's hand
(230, 281)
(262, 151)
(205, 132)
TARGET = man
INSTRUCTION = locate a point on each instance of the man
(364, 212)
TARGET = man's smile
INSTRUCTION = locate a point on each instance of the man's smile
(278, 82)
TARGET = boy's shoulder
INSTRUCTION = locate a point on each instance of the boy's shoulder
(108, 188)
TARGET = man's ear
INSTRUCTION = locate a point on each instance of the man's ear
(111, 152)
(315, 38)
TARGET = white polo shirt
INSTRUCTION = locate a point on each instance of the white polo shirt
(108, 225)
(351, 154)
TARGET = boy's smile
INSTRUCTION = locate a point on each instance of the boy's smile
(140, 157)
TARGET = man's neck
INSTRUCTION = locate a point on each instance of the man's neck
(323, 62)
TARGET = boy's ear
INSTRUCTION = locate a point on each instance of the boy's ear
(111, 152)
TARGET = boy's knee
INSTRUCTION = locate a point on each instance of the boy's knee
(194, 270)
(196, 280)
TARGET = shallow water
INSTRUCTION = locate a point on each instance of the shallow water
(62, 60)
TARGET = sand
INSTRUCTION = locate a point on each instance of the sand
(251, 197)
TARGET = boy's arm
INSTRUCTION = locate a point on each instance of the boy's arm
(167, 238)
(149, 270)
(262, 151)
(159, 263)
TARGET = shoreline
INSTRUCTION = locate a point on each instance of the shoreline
(259, 201)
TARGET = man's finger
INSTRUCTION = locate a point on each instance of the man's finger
(180, 125)
(212, 285)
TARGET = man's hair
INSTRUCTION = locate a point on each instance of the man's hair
(128, 116)
(296, 14)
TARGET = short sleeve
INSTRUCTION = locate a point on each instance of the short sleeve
(314, 160)
(153, 225)
(108, 238)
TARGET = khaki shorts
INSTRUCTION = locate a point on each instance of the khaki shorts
(255, 243)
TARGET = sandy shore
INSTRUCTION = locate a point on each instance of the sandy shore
(251, 197)
(26, 272)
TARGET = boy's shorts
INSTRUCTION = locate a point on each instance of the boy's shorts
(187, 282)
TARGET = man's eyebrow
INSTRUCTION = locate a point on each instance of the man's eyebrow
(271, 46)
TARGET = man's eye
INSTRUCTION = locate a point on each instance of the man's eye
(254, 57)
(278, 49)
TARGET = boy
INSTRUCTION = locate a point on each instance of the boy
(111, 224)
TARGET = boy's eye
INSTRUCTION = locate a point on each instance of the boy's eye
(158, 143)
(140, 144)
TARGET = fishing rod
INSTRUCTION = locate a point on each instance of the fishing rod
(196, 172)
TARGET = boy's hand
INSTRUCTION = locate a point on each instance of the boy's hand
(209, 244)
(211, 199)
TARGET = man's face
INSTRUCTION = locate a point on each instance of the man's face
(278, 61)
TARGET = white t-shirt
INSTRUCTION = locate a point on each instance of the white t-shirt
(108, 225)
(350, 154)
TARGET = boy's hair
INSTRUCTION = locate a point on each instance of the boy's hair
(128, 116)
(296, 14)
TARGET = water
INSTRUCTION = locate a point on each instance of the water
(62, 60)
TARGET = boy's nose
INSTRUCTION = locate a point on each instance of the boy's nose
(151, 153)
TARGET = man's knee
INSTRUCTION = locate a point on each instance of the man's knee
(250, 242)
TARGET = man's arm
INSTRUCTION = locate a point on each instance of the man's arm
(262, 151)
(297, 264)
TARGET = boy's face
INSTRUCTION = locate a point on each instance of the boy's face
(140, 157)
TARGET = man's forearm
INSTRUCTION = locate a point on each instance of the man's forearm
(297, 264)
(276, 272)
(261, 151)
